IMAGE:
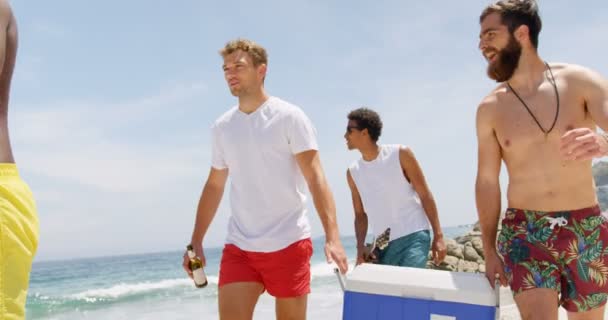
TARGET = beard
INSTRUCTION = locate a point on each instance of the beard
(235, 92)
(239, 90)
(504, 66)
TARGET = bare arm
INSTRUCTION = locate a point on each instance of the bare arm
(361, 223)
(586, 143)
(207, 207)
(596, 96)
(412, 170)
(310, 166)
(487, 190)
(8, 29)
(8, 52)
(209, 202)
(487, 185)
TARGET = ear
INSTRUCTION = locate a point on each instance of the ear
(522, 33)
(262, 68)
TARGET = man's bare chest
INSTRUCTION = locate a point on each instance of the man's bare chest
(530, 120)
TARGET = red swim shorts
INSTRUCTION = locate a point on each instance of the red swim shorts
(284, 273)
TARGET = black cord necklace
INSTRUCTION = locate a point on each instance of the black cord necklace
(546, 132)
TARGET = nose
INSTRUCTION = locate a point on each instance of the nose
(229, 73)
(346, 135)
(229, 76)
(482, 45)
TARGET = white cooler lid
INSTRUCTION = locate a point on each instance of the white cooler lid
(426, 284)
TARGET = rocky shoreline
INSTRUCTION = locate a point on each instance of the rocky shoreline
(465, 253)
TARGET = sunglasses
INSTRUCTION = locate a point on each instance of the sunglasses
(349, 129)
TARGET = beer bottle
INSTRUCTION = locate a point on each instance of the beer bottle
(196, 266)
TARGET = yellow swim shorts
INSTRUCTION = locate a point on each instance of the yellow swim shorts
(18, 241)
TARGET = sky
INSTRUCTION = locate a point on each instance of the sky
(112, 102)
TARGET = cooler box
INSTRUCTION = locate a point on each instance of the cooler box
(376, 292)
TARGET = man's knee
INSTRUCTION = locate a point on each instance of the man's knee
(237, 300)
(292, 308)
(538, 304)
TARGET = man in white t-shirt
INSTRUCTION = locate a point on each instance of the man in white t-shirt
(389, 192)
(269, 147)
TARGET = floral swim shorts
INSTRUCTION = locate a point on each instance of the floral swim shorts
(566, 251)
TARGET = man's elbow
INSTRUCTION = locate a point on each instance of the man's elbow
(484, 185)
(314, 180)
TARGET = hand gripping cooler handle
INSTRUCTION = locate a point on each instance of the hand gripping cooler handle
(340, 279)
(497, 294)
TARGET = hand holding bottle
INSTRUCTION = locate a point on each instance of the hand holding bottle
(193, 265)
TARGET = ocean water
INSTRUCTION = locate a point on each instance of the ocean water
(154, 286)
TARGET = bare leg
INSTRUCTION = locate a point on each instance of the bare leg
(595, 314)
(537, 304)
(237, 300)
(291, 308)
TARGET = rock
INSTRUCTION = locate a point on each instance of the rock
(468, 237)
(454, 248)
(477, 227)
(470, 254)
(467, 266)
(450, 263)
(451, 260)
(477, 244)
(464, 253)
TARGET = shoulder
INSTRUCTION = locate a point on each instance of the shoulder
(574, 73)
(491, 100)
(6, 13)
(487, 108)
(285, 108)
(405, 153)
(5, 9)
(579, 79)
(7, 20)
(567, 69)
(401, 147)
(355, 165)
(397, 149)
(355, 168)
(225, 119)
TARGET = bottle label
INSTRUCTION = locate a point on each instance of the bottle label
(199, 276)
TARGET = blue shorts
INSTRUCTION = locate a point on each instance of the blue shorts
(408, 251)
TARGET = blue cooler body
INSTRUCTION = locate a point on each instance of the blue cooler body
(376, 292)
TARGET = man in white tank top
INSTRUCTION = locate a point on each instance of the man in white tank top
(268, 147)
(390, 192)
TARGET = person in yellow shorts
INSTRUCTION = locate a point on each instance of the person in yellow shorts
(18, 218)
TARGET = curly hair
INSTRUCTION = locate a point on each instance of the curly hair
(256, 52)
(515, 13)
(367, 119)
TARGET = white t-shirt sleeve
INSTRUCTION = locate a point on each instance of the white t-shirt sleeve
(301, 134)
(217, 152)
